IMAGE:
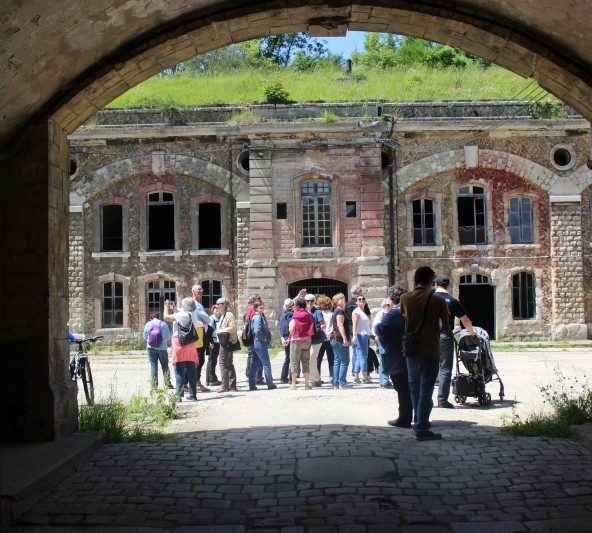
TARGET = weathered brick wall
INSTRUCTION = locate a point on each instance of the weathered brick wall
(76, 273)
(567, 271)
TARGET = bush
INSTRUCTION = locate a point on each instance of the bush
(547, 109)
(446, 56)
(275, 93)
(328, 116)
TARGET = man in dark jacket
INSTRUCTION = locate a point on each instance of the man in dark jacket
(426, 314)
(390, 331)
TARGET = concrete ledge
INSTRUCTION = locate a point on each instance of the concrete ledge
(29, 470)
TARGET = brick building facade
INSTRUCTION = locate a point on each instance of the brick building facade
(501, 207)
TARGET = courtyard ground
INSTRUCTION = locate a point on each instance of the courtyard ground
(325, 460)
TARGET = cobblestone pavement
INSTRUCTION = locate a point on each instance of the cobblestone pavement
(233, 471)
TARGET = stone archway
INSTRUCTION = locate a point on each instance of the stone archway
(62, 61)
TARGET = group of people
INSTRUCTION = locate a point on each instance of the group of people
(311, 327)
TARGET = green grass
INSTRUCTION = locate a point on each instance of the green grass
(139, 420)
(326, 85)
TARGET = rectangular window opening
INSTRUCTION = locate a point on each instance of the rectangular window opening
(112, 228)
(161, 227)
(423, 222)
(281, 211)
(209, 226)
(351, 209)
(471, 220)
(112, 304)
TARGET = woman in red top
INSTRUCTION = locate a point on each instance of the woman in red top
(301, 329)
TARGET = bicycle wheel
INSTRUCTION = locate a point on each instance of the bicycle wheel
(87, 382)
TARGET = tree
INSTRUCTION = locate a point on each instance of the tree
(282, 48)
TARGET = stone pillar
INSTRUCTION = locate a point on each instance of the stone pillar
(261, 266)
(76, 270)
(37, 399)
(567, 270)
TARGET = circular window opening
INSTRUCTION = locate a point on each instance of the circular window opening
(384, 160)
(243, 161)
(562, 157)
(73, 167)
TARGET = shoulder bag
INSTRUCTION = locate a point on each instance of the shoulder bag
(411, 338)
(224, 339)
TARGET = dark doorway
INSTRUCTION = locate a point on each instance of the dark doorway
(209, 226)
(479, 301)
(317, 286)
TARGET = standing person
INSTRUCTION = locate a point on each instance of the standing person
(156, 335)
(383, 377)
(361, 339)
(316, 340)
(185, 358)
(351, 304)
(249, 313)
(456, 309)
(390, 331)
(213, 345)
(424, 310)
(261, 341)
(285, 336)
(326, 307)
(340, 338)
(201, 315)
(227, 325)
(301, 331)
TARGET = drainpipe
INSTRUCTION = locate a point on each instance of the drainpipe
(392, 229)
(232, 247)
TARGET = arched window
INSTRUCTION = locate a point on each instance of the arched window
(472, 216)
(212, 290)
(316, 213)
(161, 221)
(424, 223)
(520, 220)
(523, 296)
(112, 305)
(111, 228)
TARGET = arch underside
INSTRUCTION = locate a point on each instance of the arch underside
(530, 48)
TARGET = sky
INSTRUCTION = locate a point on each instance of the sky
(346, 45)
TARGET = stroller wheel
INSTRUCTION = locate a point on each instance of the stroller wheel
(460, 399)
(485, 399)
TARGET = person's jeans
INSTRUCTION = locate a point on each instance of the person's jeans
(212, 362)
(422, 371)
(227, 370)
(340, 363)
(249, 363)
(383, 377)
(260, 359)
(446, 365)
(362, 344)
(285, 377)
(401, 385)
(328, 349)
(154, 356)
(180, 369)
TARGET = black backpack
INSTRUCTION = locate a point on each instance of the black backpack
(187, 334)
(247, 334)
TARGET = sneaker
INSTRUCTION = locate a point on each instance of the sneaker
(398, 424)
(222, 389)
(285, 381)
(253, 388)
(216, 383)
(445, 404)
(357, 380)
(271, 387)
(318, 384)
(191, 399)
(169, 385)
(428, 435)
(367, 380)
(346, 386)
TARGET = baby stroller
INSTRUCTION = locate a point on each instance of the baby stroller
(474, 351)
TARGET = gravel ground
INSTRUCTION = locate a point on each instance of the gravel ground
(126, 374)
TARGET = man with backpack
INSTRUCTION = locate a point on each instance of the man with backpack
(157, 335)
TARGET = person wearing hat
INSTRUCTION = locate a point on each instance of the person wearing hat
(227, 325)
(285, 337)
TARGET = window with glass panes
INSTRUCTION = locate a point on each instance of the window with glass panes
(157, 293)
(424, 231)
(212, 290)
(523, 296)
(316, 213)
(112, 304)
(472, 219)
(520, 221)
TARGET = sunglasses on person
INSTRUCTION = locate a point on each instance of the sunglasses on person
(361, 299)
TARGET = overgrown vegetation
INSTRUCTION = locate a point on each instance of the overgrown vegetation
(275, 93)
(547, 109)
(139, 420)
(570, 403)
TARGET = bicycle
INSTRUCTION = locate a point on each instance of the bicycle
(80, 367)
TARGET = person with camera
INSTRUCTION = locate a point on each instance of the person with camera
(424, 311)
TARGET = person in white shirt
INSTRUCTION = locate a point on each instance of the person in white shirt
(361, 340)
